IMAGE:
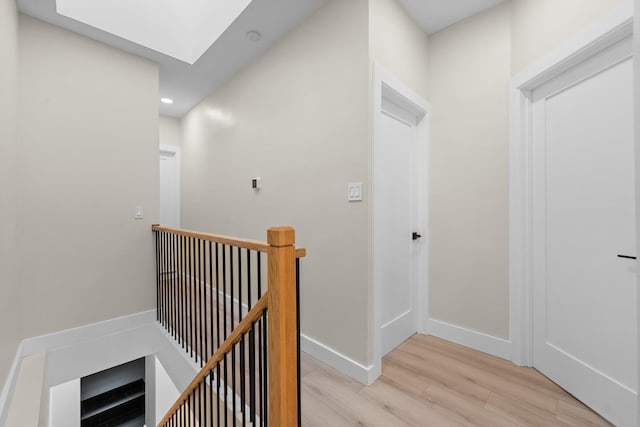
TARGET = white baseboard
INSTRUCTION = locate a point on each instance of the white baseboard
(495, 346)
(363, 374)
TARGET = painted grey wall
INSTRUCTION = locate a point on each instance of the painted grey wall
(9, 178)
(170, 131)
(398, 44)
(88, 129)
(470, 64)
(298, 117)
(539, 26)
(469, 68)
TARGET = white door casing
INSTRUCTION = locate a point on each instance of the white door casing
(169, 186)
(399, 192)
(584, 295)
(592, 42)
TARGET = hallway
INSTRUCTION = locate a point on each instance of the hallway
(431, 382)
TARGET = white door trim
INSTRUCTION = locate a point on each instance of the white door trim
(175, 152)
(602, 35)
(387, 86)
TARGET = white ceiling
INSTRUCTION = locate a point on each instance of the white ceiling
(435, 15)
(183, 30)
(187, 84)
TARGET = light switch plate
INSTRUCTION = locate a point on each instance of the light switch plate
(354, 192)
(256, 183)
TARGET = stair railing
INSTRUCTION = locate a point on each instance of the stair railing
(207, 285)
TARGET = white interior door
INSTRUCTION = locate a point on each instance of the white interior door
(395, 205)
(584, 217)
(170, 187)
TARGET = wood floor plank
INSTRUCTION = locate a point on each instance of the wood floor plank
(473, 412)
(579, 415)
(427, 381)
(409, 408)
(341, 396)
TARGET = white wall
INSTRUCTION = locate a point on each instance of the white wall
(398, 44)
(9, 188)
(469, 68)
(539, 26)
(88, 130)
(170, 131)
(166, 392)
(25, 409)
(298, 118)
(65, 404)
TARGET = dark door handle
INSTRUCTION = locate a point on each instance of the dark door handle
(626, 256)
(415, 236)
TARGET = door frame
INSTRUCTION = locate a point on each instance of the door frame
(387, 86)
(175, 152)
(613, 28)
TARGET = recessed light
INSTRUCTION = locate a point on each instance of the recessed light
(254, 36)
(166, 100)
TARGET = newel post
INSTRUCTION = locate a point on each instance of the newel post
(282, 333)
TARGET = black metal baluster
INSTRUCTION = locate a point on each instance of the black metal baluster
(192, 287)
(211, 423)
(181, 289)
(218, 394)
(174, 279)
(233, 321)
(266, 367)
(188, 297)
(197, 295)
(201, 407)
(167, 281)
(241, 373)
(226, 403)
(157, 277)
(298, 339)
(260, 376)
(202, 314)
(252, 375)
(218, 332)
(224, 291)
(259, 256)
(210, 334)
(164, 280)
(233, 382)
(190, 300)
(217, 299)
(252, 345)
(260, 345)
(211, 419)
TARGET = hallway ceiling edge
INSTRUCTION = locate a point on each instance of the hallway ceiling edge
(187, 84)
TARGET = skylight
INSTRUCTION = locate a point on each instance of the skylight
(182, 29)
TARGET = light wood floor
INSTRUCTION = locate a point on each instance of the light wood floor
(431, 382)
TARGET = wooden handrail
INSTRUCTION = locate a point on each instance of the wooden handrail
(236, 335)
(254, 245)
